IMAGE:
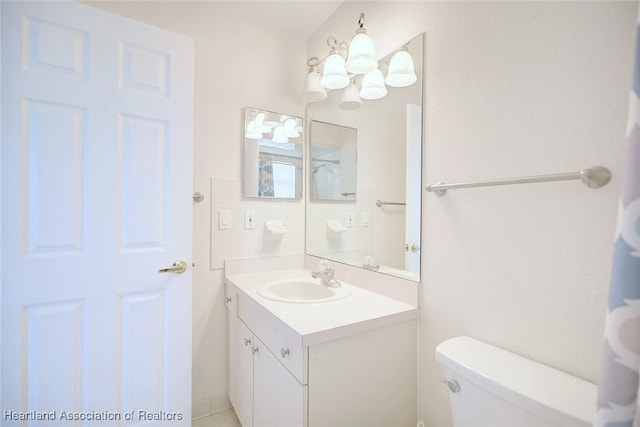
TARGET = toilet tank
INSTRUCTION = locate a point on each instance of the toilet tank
(501, 389)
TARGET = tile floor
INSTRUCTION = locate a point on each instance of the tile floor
(226, 418)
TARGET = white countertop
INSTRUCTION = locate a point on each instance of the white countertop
(362, 310)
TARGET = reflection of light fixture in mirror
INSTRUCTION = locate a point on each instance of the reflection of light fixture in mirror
(251, 132)
(290, 128)
(373, 85)
(362, 54)
(401, 71)
(350, 98)
(279, 135)
(256, 127)
(313, 90)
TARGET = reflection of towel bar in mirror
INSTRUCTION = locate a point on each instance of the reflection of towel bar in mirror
(337, 162)
(380, 203)
(594, 177)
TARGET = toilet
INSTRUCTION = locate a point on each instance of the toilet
(492, 387)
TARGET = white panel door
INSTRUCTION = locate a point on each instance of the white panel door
(96, 198)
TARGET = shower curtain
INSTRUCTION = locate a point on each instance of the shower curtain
(265, 175)
(619, 381)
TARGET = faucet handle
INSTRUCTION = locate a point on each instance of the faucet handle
(323, 266)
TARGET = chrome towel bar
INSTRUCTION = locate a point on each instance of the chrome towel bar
(594, 177)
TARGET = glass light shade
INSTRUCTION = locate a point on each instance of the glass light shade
(279, 135)
(334, 75)
(373, 85)
(401, 71)
(313, 90)
(362, 54)
(290, 129)
(252, 132)
(259, 124)
(350, 98)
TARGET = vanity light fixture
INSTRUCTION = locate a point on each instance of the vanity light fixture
(373, 85)
(350, 97)
(401, 71)
(334, 75)
(346, 64)
(362, 54)
(314, 92)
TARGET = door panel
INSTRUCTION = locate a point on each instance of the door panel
(272, 386)
(96, 195)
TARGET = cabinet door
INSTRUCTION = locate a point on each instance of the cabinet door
(279, 399)
(241, 370)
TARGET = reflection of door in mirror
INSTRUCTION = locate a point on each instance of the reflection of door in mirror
(381, 229)
(333, 161)
(272, 157)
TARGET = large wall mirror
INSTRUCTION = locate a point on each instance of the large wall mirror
(272, 155)
(378, 227)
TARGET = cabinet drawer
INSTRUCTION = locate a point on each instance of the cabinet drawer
(280, 339)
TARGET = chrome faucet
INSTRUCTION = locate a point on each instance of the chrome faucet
(325, 274)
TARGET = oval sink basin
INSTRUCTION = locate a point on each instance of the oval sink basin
(302, 291)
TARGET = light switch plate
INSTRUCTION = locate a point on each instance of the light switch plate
(224, 219)
(249, 219)
(364, 219)
(350, 219)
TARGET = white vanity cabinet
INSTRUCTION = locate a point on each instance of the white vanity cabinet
(346, 379)
(263, 392)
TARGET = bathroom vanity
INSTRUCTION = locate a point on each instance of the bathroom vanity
(312, 359)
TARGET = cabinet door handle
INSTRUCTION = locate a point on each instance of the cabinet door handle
(254, 350)
(284, 352)
(247, 341)
(227, 300)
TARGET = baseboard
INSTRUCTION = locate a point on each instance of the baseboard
(201, 409)
(209, 406)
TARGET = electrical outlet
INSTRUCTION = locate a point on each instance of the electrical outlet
(249, 219)
(224, 219)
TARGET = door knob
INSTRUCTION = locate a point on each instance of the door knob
(415, 248)
(178, 267)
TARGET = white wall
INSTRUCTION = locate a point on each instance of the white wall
(513, 89)
(238, 63)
